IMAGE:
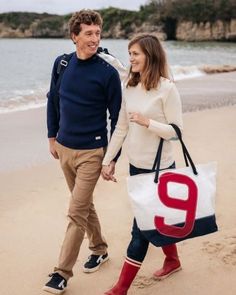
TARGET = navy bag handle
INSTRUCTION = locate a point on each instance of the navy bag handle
(187, 157)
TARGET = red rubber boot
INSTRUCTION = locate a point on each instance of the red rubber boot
(126, 278)
(171, 263)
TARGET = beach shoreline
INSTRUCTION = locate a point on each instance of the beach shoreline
(34, 201)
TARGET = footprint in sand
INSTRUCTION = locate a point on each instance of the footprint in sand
(225, 250)
(143, 282)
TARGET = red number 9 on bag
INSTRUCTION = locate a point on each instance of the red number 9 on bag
(189, 205)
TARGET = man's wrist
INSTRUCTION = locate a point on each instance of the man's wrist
(52, 139)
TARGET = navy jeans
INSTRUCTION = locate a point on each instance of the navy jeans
(138, 245)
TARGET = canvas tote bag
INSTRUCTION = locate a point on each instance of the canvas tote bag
(176, 204)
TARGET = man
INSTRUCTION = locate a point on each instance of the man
(89, 87)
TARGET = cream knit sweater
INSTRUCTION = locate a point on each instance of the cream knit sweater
(162, 106)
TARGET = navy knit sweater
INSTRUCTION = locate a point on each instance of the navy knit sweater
(88, 89)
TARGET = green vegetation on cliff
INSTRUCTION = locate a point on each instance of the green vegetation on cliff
(51, 23)
(112, 16)
(193, 10)
(22, 20)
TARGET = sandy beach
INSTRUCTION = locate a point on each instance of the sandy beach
(34, 199)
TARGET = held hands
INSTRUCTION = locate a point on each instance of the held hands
(52, 148)
(139, 119)
(108, 172)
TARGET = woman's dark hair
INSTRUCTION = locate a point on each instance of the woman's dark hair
(155, 65)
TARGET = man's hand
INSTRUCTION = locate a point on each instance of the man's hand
(108, 171)
(139, 119)
(52, 142)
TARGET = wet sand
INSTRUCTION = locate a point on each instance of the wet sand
(209, 91)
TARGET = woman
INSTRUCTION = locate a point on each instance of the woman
(150, 103)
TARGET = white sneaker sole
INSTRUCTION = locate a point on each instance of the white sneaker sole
(90, 270)
(52, 290)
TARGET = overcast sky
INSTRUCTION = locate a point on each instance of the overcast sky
(66, 6)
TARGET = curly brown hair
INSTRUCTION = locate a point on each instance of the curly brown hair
(155, 64)
(84, 16)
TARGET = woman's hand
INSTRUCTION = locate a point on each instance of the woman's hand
(108, 172)
(139, 119)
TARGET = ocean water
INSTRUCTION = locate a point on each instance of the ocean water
(25, 65)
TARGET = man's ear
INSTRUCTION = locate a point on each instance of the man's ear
(73, 37)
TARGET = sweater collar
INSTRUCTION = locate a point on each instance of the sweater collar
(89, 60)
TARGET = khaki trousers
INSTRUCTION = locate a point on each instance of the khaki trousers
(81, 169)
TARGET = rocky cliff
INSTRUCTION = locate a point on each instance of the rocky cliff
(54, 26)
(116, 31)
(216, 31)
(32, 25)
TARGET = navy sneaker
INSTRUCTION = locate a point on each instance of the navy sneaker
(56, 285)
(94, 262)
